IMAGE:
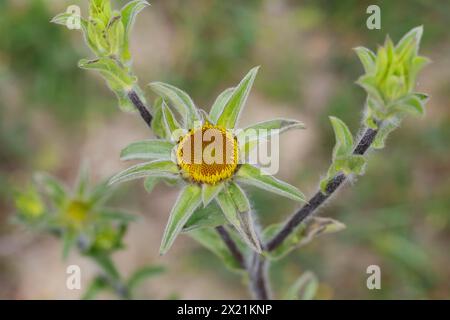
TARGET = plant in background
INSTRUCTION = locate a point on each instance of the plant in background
(225, 226)
(80, 218)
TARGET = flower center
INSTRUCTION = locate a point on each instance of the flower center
(208, 154)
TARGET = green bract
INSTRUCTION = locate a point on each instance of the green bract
(195, 207)
(107, 33)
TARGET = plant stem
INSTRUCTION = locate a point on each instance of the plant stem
(259, 284)
(319, 198)
(140, 106)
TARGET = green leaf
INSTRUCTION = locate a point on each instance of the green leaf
(142, 274)
(158, 168)
(344, 138)
(180, 101)
(211, 240)
(189, 199)
(409, 42)
(384, 131)
(148, 150)
(219, 104)
(264, 130)
(69, 240)
(82, 184)
(112, 72)
(413, 104)
(128, 14)
(241, 221)
(352, 164)
(107, 265)
(304, 288)
(158, 121)
(100, 193)
(116, 215)
(210, 216)
(233, 107)
(304, 234)
(95, 287)
(367, 58)
(150, 183)
(170, 123)
(209, 192)
(52, 188)
(251, 175)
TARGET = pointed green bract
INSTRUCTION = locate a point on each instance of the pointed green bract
(209, 192)
(148, 150)
(159, 168)
(189, 199)
(251, 175)
(179, 99)
(233, 107)
(219, 104)
(170, 123)
(82, 184)
(54, 189)
(367, 58)
(239, 220)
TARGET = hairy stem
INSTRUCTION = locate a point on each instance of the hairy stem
(140, 106)
(319, 198)
(259, 284)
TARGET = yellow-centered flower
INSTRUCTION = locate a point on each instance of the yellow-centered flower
(206, 155)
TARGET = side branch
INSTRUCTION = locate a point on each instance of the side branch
(319, 198)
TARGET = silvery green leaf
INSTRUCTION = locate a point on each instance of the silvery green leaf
(344, 138)
(209, 192)
(367, 58)
(304, 288)
(241, 220)
(411, 104)
(128, 14)
(148, 150)
(304, 234)
(264, 130)
(219, 104)
(170, 123)
(384, 131)
(410, 42)
(188, 200)
(251, 175)
(210, 239)
(158, 168)
(179, 99)
(235, 104)
(150, 183)
(158, 121)
(210, 216)
(110, 70)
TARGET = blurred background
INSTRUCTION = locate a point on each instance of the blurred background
(53, 115)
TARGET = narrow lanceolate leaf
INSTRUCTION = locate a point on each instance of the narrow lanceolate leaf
(142, 274)
(344, 138)
(158, 168)
(367, 58)
(264, 130)
(82, 184)
(188, 200)
(210, 216)
(52, 187)
(170, 123)
(147, 150)
(219, 104)
(179, 99)
(304, 288)
(116, 75)
(251, 175)
(128, 15)
(232, 109)
(210, 191)
(150, 183)
(244, 225)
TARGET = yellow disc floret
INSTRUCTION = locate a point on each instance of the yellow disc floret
(208, 154)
